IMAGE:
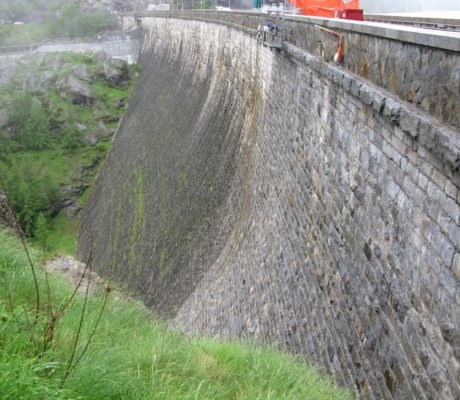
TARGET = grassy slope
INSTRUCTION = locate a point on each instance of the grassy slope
(132, 355)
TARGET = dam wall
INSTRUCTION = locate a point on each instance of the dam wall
(251, 193)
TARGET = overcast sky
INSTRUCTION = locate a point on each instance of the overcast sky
(394, 6)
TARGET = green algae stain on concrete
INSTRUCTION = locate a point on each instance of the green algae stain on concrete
(138, 224)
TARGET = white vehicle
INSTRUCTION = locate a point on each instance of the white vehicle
(159, 7)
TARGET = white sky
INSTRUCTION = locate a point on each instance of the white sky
(411, 6)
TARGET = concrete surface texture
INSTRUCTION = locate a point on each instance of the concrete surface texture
(272, 195)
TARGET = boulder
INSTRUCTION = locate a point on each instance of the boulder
(72, 209)
(116, 72)
(81, 72)
(101, 56)
(73, 89)
(69, 192)
(119, 63)
(90, 139)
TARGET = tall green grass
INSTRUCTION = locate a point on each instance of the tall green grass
(132, 355)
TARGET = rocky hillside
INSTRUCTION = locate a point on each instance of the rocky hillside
(58, 112)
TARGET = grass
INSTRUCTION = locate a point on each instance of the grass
(132, 355)
(62, 235)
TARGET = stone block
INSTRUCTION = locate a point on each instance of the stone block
(392, 110)
(366, 94)
(355, 86)
(378, 102)
(409, 123)
(346, 82)
(450, 189)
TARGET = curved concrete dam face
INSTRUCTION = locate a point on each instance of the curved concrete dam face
(271, 195)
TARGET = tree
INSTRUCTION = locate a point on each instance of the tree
(41, 230)
(30, 195)
(35, 133)
(30, 122)
(71, 138)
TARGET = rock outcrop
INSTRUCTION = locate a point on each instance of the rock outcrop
(6, 217)
(4, 118)
(74, 89)
(116, 72)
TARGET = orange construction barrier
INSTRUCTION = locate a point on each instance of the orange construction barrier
(346, 9)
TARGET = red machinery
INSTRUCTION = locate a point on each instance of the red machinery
(344, 9)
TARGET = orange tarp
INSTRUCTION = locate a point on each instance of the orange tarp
(324, 8)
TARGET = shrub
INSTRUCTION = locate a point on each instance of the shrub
(30, 194)
(30, 122)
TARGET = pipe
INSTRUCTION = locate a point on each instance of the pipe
(338, 57)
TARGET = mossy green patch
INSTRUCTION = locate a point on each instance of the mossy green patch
(137, 227)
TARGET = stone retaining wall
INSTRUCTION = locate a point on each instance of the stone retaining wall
(124, 45)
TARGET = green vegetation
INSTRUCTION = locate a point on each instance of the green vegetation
(59, 19)
(131, 355)
(75, 22)
(42, 150)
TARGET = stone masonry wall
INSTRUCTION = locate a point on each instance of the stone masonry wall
(427, 76)
(255, 193)
(159, 204)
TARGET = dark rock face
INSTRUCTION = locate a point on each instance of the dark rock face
(251, 193)
(72, 209)
(74, 89)
(6, 217)
(116, 72)
(4, 118)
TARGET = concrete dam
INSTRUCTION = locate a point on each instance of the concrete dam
(269, 194)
